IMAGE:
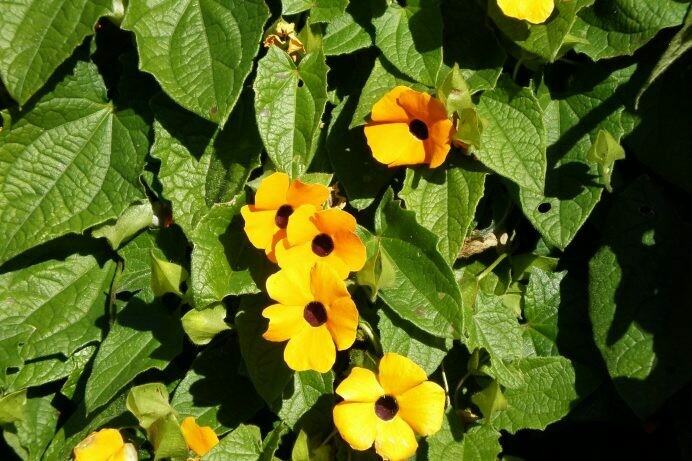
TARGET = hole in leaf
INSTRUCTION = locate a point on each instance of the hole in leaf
(544, 207)
(300, 82)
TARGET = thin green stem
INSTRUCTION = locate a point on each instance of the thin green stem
(517, 66)
(374, 340)
(446, 384)
(490, 268)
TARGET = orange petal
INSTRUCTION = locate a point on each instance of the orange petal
(325, 284)
(259, 226)
(423, 407)
(394, 145)
(357, 423)
(301, 225)
(99, 446)
(350, 249)
(395, 439)
(277, 238)
(284, 322)
(335, 220)
(302, 194)
(423, 107)
(438, 144)
(311, 349)
(342, 322)
(360, 385)
(397, 374)
(388, 109)
(290, 286)
(200, 439)
(271, 193)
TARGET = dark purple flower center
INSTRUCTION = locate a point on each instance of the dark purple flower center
(282, 215)
(322, 245)
(315, 314)
(419, 129)
(386, 407)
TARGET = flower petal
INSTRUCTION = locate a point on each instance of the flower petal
(423, 407)
(127, 453)
(397, 374)
(301, 225)
(200, 439)
(277, 239)
(291, 286)
(337, 263)
(438, 144)
(533, 11)
(325, 284)
(350, 249)
(311, 349)
(394, 145)
(99, 446)
(356, 422)
(335, 220)
(302, 194)
(423, 107)
(296, 256)
(259, 226)
(284, 322)
(271, 193)
(360, 386)
(388, 109)
(395, 440)
(342, 322)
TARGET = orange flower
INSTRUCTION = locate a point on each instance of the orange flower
(327, 235)
(275, 201)
(408, 128)
(105, 445)
(386, 409)
(200, 439)
(315, 313)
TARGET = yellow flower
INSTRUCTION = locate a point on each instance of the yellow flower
(275, 201)
(408, 128)
(533, 11)
(314, 312)
(386, 409)
(105, 445)
(327, 235)
(200, 439)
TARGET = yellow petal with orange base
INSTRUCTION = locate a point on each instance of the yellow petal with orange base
(397, 374)
(200, 439)
(301, 194)
(388, 108)
(325, 284)
(342, 322)
(393, 144)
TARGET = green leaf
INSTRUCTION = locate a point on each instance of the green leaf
(220, 255)
(202, 325)
(320, 10)
(400, 336)
(12, 407)
(619, 27)
(541, 303)
(546, 396)
(425, 291)
(445, 200)
(350, 31)
(477, 443)
(495, 328)
(289, 105)
(135, 218)
(201, 166)
(378, 270)
(36, 373)
(272, 441)
(454, 92)
(211, 388)
(604, 152)
(149, 403)
(36, 430)
(549, 40)
(79, 282)
(490, 400)
(167, 438)
(359, 175)
(410, 38)
(166, 277)
(572, 121)
(513, 142)
(474, 45)
(144, 336)
(243, 444)
(310, 396)
(264, 359)
(200, 52)
(72, 135)
(636, 299)
(38, 36)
